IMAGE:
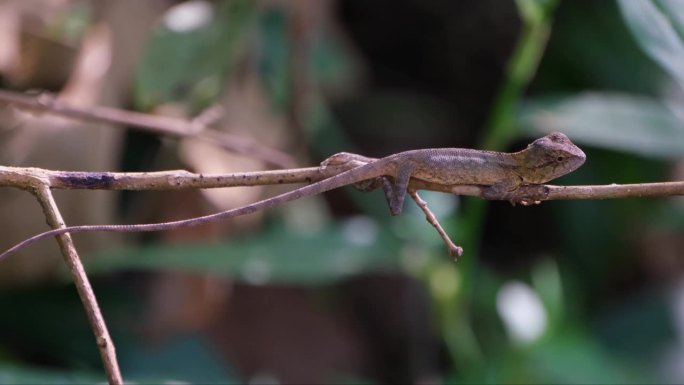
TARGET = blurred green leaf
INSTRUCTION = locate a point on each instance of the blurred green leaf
(568, 356)
(571, 357)
(15, 374)
(278, 256)
(72, 23)
(634, 124)
(181, 358)
(49, 324)
(546, 280)
(330, 62)
(190, 66)
(591, 48)
(658, 28)
(273, 56)
(534, 11)
(638, 326)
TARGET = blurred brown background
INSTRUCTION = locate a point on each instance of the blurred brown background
(332, 289)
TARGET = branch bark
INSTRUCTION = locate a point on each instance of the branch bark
(183, 180)
(104, 342)
(198, 127)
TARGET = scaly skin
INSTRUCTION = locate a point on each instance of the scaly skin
(543, 160)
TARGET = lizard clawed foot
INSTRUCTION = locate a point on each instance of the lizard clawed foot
(524, 202)
(453, 249)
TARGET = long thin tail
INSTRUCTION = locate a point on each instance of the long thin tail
(331, 183)
(143, 227)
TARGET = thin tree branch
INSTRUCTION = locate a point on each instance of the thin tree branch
(611, 191)
(162, 180)
(538, 193)
(183, 180)
(104, 342)
(198, 127)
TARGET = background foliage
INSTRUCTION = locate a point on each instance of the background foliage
(567, 292)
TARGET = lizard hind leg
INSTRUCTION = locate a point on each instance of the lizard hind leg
(369, 185)
(395, 188)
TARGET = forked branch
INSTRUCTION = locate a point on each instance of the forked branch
(105, 344)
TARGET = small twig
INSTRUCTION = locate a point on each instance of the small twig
(85, 290)
(454, 250)
(198, 127)
(610, 191)
(539, 193)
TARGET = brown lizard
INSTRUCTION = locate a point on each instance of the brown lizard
(544, 159)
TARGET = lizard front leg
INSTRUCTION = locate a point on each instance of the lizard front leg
(508, 190)
(503, 188)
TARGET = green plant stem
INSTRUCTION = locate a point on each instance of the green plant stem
(521, 69)
(499, 132)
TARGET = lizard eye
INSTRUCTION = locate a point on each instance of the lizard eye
(560, 159)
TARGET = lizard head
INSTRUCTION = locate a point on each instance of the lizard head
(549, 157)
